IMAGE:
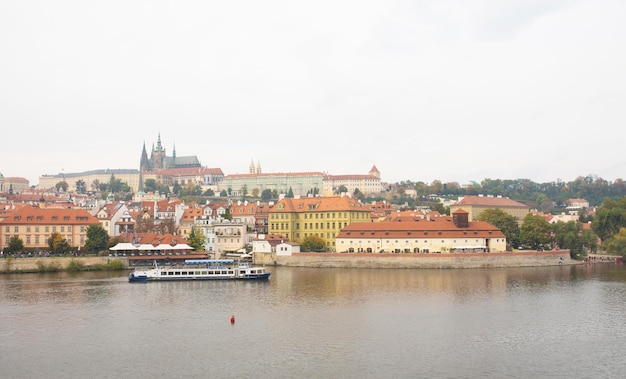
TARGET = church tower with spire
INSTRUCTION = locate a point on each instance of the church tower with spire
(158, 155)
(144, 164)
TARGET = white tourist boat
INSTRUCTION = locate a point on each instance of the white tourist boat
(201, 269)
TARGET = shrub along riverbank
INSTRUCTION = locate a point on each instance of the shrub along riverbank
(33, 265)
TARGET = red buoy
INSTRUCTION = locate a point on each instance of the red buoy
(232, 319)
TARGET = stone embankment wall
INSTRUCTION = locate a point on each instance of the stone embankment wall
(33, 264)
(343, 260)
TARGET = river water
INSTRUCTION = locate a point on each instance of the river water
(548, 322)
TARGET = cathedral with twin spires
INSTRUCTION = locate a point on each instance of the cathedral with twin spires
(160, 161)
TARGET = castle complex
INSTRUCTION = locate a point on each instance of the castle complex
(187, 170)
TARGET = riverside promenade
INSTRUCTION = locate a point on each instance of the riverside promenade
(400, 260)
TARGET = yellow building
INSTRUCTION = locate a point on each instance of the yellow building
(324, 217)
(475, 205)
(34, 226)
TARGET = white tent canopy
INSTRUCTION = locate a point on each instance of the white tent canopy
(125, 246)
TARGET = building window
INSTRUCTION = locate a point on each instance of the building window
(16, 229)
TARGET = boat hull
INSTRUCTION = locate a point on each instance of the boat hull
(143, 278)
(200, 269)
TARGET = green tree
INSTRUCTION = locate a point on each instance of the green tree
(97, 239)
(571, 236)
(266, 195)
(196, 239)
(439, 207)
(610, 218)
(617, 244)
(223, 193)
(289, 193)
(535, 232)
(503, 221)
(341, 189)
(313, 243)
(150, 185)
(15, 244)
(62, 185)
(209, 192)
(227, 215)
(81, 187)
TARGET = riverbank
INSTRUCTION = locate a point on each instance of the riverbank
(319, 260)
(365, 260)
(54, 264)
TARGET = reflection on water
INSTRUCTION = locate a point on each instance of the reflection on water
(309, 322)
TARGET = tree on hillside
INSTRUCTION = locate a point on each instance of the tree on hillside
(266, 194)
(610, 218)
(81, 186)
(503, 221)
(150, 185)
(617, 244)
(97, 239)
(341, 189)
(535, 232)
(62, 186)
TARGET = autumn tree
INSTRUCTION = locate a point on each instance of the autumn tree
(617, 244)
(313, 243)
(196, 239)
(58, 244)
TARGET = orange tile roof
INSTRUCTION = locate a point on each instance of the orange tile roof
(319, 204)
(29, 215)
(442, 227)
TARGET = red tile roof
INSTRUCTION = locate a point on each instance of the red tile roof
(29, 215)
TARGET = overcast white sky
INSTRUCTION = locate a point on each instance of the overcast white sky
(425, 90)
